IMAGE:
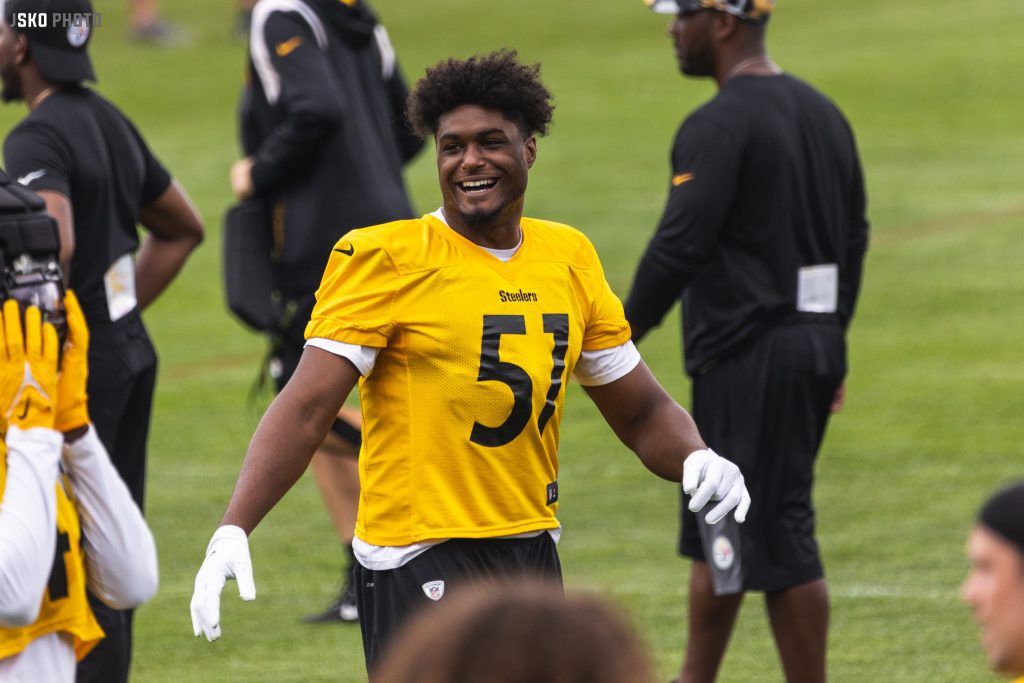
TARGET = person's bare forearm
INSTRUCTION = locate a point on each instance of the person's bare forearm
(278, 454)
(175, 229)
(668, 436)
(665, 438)
(290, 431)
(648, 421)
(157, 264)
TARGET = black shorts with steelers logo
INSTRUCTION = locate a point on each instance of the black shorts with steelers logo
(766, 409)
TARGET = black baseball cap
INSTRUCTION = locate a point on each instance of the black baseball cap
(756, 11)
(59, 38)
(1003, 513)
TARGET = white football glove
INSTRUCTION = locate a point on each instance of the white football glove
(709, 476)
(227, 557)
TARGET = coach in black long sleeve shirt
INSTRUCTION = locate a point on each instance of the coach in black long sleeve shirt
(753, 200)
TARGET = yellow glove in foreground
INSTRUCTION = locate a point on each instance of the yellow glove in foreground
(72, 399)
(28, 368)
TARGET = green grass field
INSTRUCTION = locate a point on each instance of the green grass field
(936, 390)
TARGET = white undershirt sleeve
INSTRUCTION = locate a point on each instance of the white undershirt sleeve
(363, 357)
(28, 522)
(119, 548)
(596, 368)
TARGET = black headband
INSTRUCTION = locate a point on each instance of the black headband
(1004, 514)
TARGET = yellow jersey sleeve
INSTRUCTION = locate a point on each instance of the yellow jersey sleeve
(607, 326)
(355, 301)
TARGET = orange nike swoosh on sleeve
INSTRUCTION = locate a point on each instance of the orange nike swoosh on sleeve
(285, 48)
(678, 180)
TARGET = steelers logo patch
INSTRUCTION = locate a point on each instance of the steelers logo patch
(78, 33)
(722, 553)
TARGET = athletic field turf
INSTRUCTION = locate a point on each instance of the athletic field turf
(935, 397)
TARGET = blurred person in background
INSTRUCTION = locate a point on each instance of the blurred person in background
(67, 520)
(994, 587)
(325, 140)
(99, 179)
(762, 239)
(521, 632)
(145, 25)
(461, 329)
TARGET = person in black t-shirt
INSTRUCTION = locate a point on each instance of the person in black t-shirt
(325, 140)
(99, 179)
(763, 239)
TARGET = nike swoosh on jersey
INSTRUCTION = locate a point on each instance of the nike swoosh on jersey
(285, 48)
(347, 252)
(29, 177)
(678, 180)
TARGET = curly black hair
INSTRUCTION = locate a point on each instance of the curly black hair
(496, 80)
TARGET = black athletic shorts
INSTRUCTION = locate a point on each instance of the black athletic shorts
(122, 379)
(388, 598)
(765, 409)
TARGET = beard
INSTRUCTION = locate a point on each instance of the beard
(696, 63)
(11, 87)
(480, 219)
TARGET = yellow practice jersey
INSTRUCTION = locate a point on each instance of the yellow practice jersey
(461, 411)
(64, 605)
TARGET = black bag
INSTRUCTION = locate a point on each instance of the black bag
(248, 270)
